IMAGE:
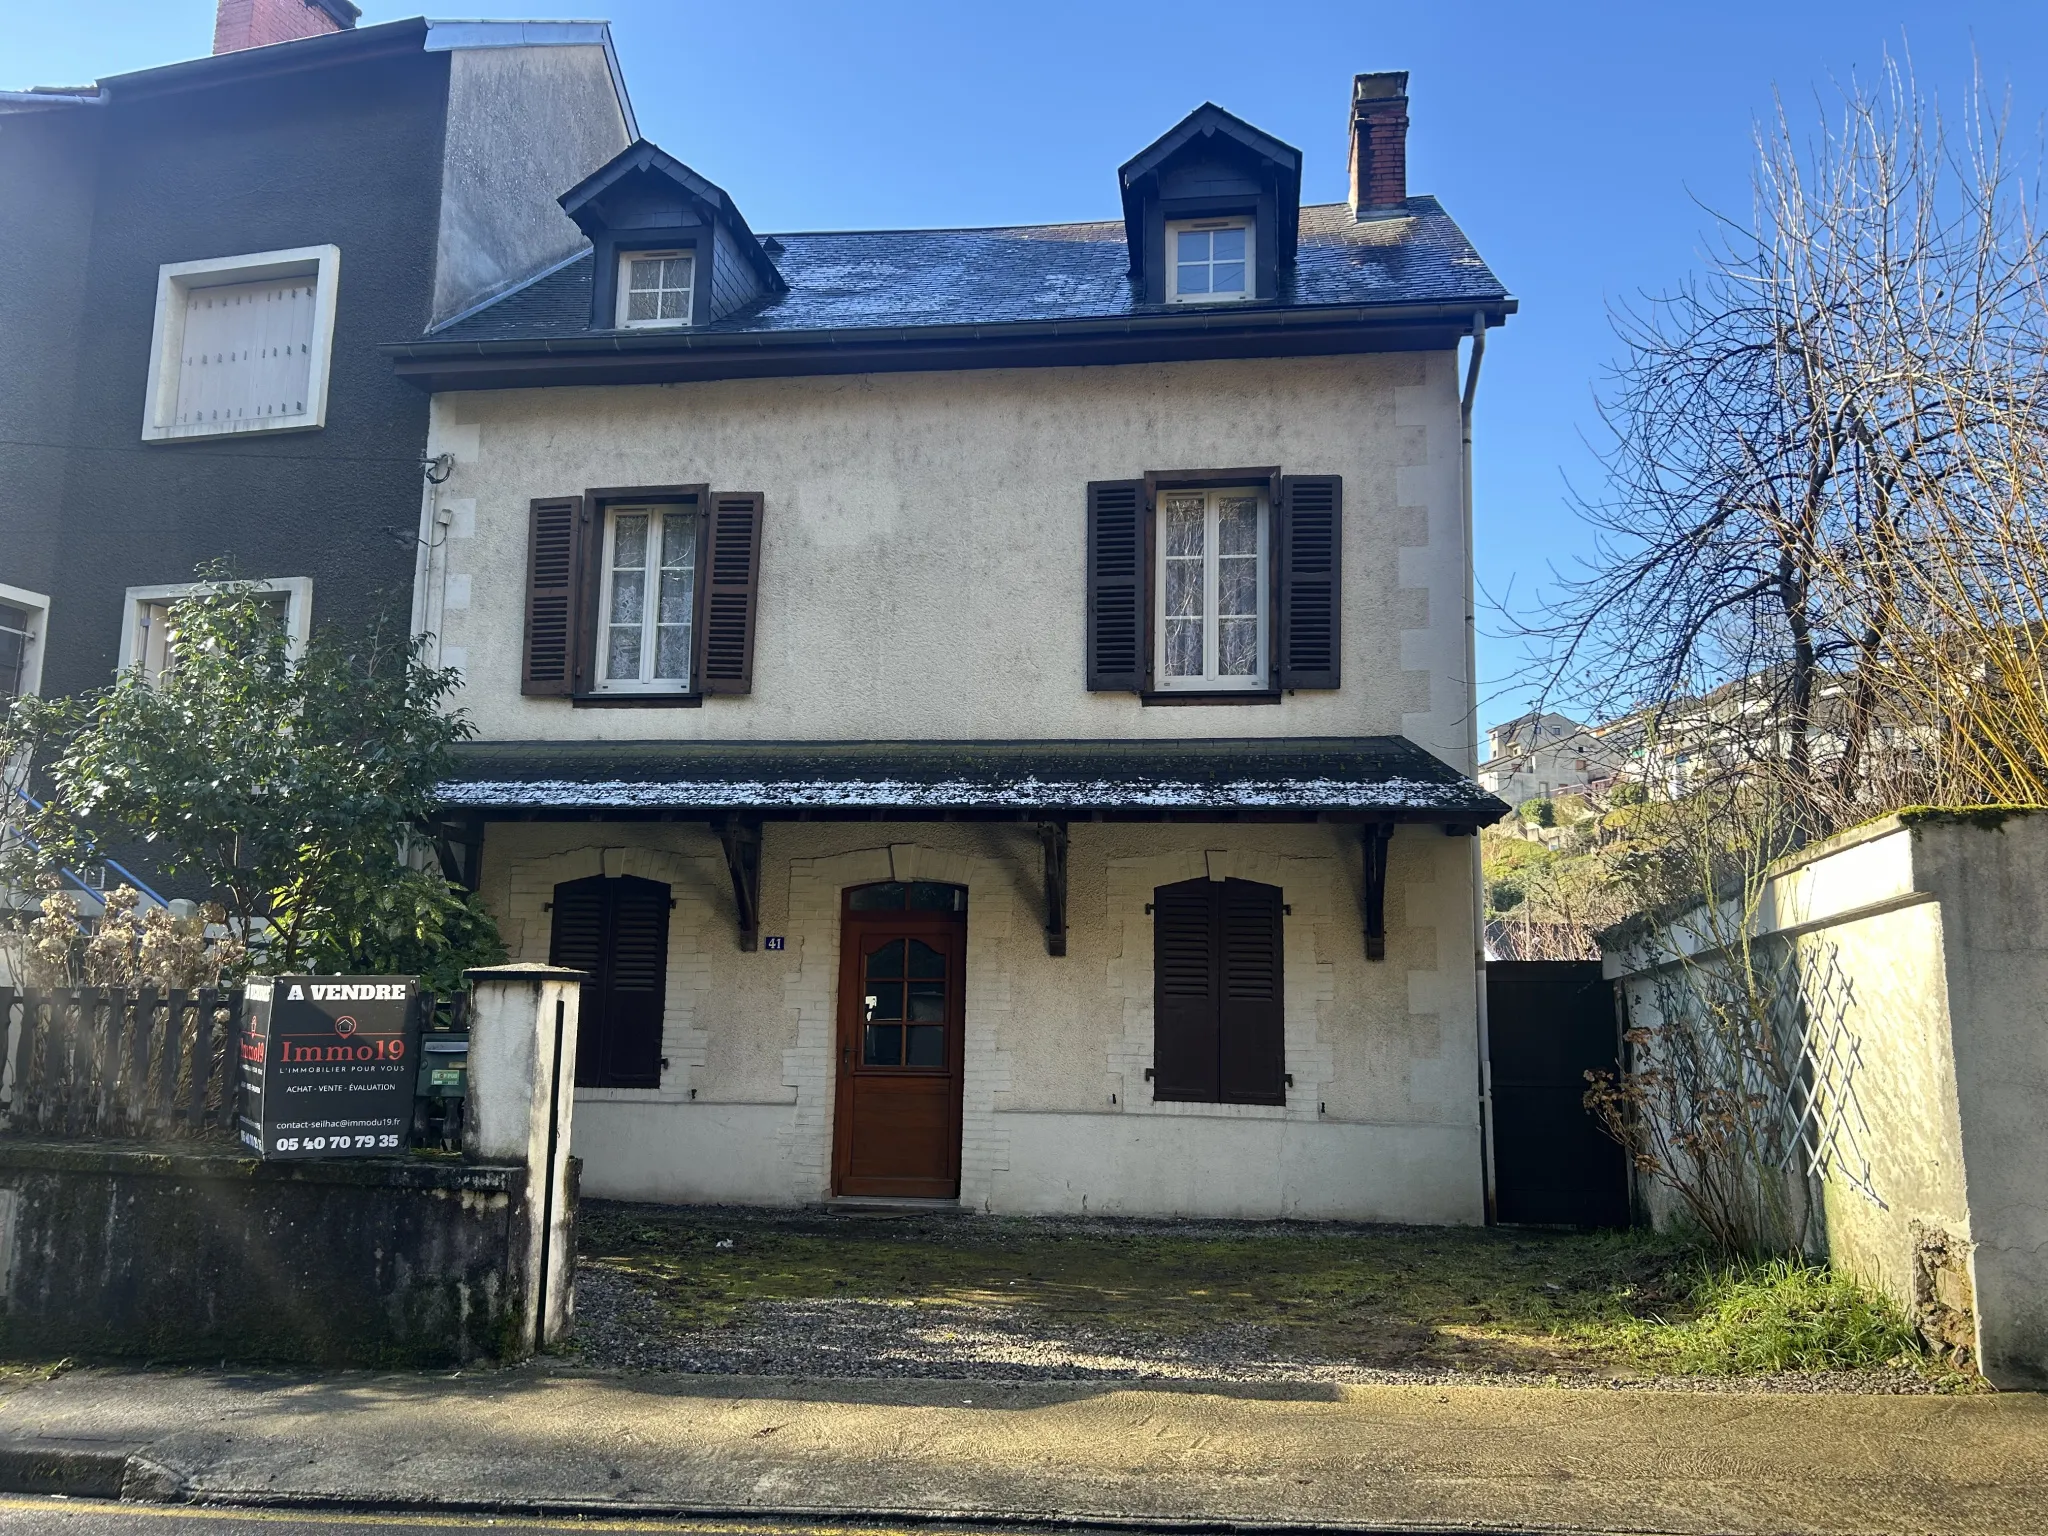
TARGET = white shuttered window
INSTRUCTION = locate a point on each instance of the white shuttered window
(248, 352)
(242, 344)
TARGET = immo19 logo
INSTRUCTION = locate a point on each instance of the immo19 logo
(347, 1049)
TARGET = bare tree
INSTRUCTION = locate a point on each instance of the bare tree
(1825, 473)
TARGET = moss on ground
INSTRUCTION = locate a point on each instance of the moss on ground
(1394, 1297)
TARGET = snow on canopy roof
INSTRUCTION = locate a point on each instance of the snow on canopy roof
(1372, 773)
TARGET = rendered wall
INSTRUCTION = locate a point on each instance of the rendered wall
(1924, 960)
(923, 555)
(1381, 1122)
(524, 126)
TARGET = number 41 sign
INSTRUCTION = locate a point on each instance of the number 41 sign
(328, 1064)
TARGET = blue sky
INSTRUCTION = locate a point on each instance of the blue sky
(1573, 142)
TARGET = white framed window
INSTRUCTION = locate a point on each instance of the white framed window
(149, 621)
(647, 599)
(24, 621)
(1209, 261)
(654, 287)
(1212, 579)
(242, 344)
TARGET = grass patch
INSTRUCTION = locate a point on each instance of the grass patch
(1781, 1315)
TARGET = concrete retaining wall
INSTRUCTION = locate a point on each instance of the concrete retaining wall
(204, 1255)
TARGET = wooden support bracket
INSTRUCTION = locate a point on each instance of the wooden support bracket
(741, 837)
(1376, 835)
(459, 846)
(1053, 835)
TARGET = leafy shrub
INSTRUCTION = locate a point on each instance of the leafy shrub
(1628, 794)
(1538, 812)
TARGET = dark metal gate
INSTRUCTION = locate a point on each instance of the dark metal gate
(1549, 1022)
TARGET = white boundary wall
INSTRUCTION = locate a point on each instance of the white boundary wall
(1925, 944)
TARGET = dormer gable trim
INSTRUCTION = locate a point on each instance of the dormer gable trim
(712, 228)
(1211, 132)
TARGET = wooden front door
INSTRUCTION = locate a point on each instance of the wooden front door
(902, 956)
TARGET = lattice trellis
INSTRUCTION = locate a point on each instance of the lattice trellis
(1813, 1121)
(1820, 1104)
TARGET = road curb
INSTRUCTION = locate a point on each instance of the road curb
(85, 1471)
(841, 1516)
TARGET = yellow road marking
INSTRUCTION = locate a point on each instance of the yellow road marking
(426, 1517)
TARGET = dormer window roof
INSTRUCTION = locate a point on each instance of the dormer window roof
(669, 247)
(1211, 172)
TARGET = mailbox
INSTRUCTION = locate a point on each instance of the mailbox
(442, 1092)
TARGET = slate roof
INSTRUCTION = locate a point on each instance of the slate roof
(873, 279)
(1387, 777)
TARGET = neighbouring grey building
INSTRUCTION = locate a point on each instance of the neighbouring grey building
(196, 264)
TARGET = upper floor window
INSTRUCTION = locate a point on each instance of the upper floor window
(149, 625)
(1212, 585)
(1208, 260)
(649, 601)
(654, 287)
(23, 616)
(242, 344)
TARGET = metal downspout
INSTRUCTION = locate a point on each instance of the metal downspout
(1472, 762)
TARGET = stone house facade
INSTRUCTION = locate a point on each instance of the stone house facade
(991, 710)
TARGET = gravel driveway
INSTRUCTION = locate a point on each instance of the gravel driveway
(727, 1291)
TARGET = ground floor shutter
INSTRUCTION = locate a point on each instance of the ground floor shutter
(1185, 1062)
(1249, 1029)
(617, 931)
(1218, 1032)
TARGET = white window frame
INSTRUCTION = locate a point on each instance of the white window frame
(1243, 221)
(298, 614)
(38, 606)
(174, 285)
(625, 293)
(650, 601)
(1211, 681)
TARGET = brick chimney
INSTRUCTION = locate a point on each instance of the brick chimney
(239, 24)
(1379, 143)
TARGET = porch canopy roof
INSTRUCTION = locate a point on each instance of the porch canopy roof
(1348, 778)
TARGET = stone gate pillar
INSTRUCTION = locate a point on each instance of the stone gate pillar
(521, 1108)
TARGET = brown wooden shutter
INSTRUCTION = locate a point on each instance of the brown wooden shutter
(731, 594)
(1117, 586)
(1251, 1032)
(1185, 988)
(553, 540)
(577, 941)
(638, 983)
(1311, 630)
(617, 931)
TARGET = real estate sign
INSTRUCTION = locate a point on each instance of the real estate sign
(328, 1064)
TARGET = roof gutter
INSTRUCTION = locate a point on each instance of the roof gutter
(636, 358)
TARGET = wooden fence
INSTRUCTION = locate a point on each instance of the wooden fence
(120, 1062)
(144, 1064)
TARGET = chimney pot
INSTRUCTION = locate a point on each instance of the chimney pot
(1379, 143)
(239, 24)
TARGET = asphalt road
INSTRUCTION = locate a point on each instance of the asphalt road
(23, 1516)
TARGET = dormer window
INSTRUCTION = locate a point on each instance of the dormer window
(1210, 260)
(655, 287)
